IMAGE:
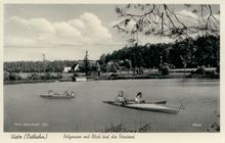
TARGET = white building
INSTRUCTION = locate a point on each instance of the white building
(67, 69)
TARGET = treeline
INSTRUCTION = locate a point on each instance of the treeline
(38, 66)
(190, 53)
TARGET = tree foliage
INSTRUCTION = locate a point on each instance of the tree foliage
(37, 66)
(164, 20)
(202, 51)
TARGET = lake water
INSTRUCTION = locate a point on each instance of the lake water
(25, 111)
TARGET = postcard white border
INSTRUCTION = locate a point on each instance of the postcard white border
(139, 137)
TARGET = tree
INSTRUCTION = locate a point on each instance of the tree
(102, 59)
(86, 64)
(163, 20)
(208, 52)
(98, 68)
(187, 53)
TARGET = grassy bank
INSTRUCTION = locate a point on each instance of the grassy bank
(159, 76)
(116, 77)
(28, 81)
(148, 74)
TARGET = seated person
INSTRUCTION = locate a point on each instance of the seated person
(72, 94)
(66, 93)
(120, 99)
(138, 98)
(50, 92)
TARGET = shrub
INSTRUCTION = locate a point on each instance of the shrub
(218, 69)
(164, 69)
(200, 70)
(34, 76)
(13, 77)
(47, 76)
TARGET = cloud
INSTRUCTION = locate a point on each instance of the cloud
(65, 30)
(77, 23)
(90, 19)
(152, 23)
(191, 19)
(87, 28)
(18, 20)
(188, 18)
(94, 30)
(14, 40)
(187, 14)
(59, 40)
(41, 25)
(217, 17)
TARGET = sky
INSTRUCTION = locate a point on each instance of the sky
(66, 31)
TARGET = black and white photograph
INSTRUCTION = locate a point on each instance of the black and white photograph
(111, 68)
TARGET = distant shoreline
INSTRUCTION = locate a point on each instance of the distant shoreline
(117, 77)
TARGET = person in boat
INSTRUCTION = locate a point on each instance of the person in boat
(50, 92)
(66, 93)
(72, 94)
(120, 98)
(139, 98)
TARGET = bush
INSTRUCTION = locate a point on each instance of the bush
(114, 75)
(75, 75)
(59, 76)
(13, 77)
(200, 70)
(34, 76)
(164, 69)
(218, 69)
(48, 76)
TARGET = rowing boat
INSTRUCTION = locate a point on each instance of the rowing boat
(53, 95)
(57, 96)
(153, 106)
